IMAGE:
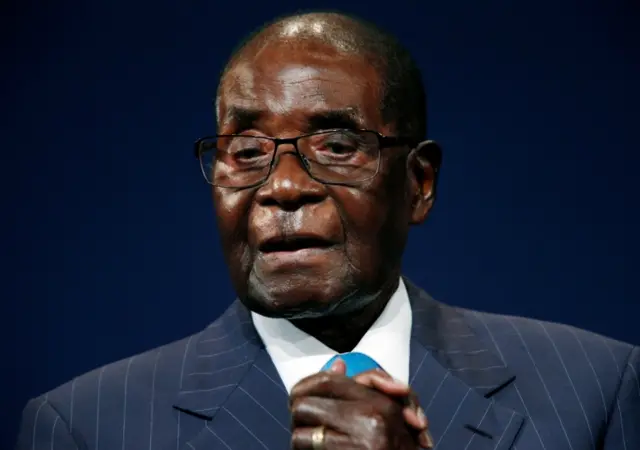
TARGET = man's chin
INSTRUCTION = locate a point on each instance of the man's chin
(295, 298)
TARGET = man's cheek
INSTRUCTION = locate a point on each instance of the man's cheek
(363, 255)
(242, 258)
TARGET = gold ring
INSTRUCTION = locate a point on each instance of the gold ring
(317, 438)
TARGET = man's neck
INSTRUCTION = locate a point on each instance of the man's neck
(343, 332)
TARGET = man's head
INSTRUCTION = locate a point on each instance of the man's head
(297, 247)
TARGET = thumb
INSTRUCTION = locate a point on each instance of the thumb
(338, 367)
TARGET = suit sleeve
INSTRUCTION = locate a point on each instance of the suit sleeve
(43, 428)
(623, 432)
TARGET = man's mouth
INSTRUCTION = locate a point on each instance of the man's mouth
(294, 243)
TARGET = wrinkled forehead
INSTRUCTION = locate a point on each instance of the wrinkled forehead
(293, 78)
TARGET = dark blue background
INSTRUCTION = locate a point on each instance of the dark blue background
(111, 246)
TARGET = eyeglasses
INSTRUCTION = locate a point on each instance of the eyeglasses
(338, 156)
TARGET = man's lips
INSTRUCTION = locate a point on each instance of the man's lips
(293, 243)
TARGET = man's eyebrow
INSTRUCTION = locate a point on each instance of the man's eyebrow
(246, 118)
(349, 118)
(242, 118)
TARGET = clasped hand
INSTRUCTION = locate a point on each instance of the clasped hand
(369, 411)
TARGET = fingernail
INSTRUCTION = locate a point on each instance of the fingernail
(427, 439)
(334, 365)
(421, 417)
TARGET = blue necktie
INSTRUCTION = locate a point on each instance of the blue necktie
(356, 363)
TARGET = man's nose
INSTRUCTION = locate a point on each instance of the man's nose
(289, 185)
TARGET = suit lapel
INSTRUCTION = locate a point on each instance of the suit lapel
(231, 394)
(455, 376)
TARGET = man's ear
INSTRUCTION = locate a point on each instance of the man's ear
(423, 166)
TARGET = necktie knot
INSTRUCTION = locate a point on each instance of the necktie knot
(356, 363)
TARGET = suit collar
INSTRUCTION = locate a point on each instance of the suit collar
(229, 381)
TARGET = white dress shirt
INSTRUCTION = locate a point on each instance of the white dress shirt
(297, 355)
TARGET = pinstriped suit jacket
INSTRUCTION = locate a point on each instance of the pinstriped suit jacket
(486, 381)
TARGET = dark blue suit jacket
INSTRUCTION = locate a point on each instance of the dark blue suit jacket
(486, 382)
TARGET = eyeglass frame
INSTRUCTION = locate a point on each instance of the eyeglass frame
(384, 142)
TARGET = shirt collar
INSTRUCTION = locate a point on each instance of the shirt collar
(297, 355)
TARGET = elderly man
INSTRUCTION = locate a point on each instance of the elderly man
(318, 170)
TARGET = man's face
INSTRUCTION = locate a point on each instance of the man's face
(296, 247)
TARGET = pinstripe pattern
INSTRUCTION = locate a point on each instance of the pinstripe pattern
(486, 381)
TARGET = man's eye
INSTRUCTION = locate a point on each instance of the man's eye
(339, 148)
(248, 153)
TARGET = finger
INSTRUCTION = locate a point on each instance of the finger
(413, 414)
(327, 384)
(415, 417)
(338, 366)
(425, 440)
(339, 415)
(383, 382)
(315, 411)
(343, 416)
(302, 439)
(378, 370)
